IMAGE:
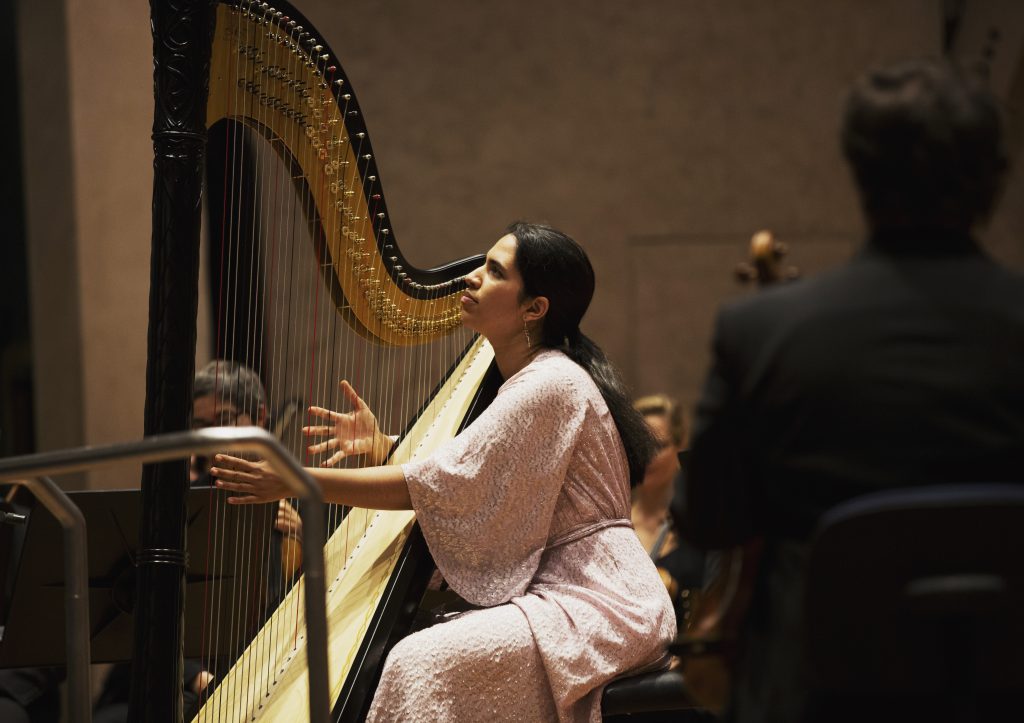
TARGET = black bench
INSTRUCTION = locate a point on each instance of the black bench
(656, 695)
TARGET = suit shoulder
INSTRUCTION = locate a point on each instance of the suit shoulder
(782, 299)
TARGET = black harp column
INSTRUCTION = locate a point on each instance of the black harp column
(182, 36)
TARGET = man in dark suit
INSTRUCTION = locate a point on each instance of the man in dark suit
(905, 366)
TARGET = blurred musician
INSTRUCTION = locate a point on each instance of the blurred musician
(681, 566)
(224, 394)
(228, 394)
(901, 367)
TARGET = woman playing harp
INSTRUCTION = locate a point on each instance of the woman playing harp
(526, 512)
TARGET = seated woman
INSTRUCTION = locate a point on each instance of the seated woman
(526, 512)
(681, 567)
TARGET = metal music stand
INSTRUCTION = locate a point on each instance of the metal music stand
(33, 633)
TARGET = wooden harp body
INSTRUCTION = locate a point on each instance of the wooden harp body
(311, 288)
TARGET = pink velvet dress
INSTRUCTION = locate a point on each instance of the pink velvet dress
(527, 513)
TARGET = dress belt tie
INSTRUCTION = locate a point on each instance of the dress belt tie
(587, 529)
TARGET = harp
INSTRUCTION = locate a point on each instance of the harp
(313, 288)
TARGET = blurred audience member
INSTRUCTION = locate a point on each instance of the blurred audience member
(680, 566)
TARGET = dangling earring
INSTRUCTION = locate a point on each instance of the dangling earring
(526, 330)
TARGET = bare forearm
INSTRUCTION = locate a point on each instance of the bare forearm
(376, 488)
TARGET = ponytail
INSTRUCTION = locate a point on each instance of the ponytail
(636, 436)
(553, 265)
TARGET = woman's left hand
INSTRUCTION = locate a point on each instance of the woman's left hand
(256, 481)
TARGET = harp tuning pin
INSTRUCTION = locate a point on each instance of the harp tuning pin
(360, 136)
(371, 178)
(380, 215)
(393, 259)
(385, 231)
(367, 157)
(339, 83)
(325, 57)
(318, 48)
(346, 96)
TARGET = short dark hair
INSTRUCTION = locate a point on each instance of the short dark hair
(925, 142)
(234, 383)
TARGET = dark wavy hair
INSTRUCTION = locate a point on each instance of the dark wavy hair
(553, 265)
(924, 140)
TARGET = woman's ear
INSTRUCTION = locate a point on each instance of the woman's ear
(536, 309)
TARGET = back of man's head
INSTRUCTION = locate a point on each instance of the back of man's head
(925, 142)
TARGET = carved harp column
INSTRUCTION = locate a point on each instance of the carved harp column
(181, 57)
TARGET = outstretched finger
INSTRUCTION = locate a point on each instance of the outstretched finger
(235, 486)
(247, 500)
(317, 431)
(350, 394)
(232, 475)
(227, 462)
(334, 458)
(323, 446)
(323, 413)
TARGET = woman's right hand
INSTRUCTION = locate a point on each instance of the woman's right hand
(252, 482)
(350, 434)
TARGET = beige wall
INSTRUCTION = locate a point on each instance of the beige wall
(112, 114)
(660, 133)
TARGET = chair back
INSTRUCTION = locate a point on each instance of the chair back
(918, 593)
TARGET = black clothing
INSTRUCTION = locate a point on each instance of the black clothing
(30, 695)
(903, 367)
(112, 705)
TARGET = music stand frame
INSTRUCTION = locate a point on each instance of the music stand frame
(34, 471)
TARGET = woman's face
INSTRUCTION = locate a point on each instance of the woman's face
(492, 303)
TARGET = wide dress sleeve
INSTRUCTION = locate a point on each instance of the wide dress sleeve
(485, 499)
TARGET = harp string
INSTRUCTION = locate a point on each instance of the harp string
(247, 306)
(226, 345)
(257, 300)
(289, 629)
(212, 591)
